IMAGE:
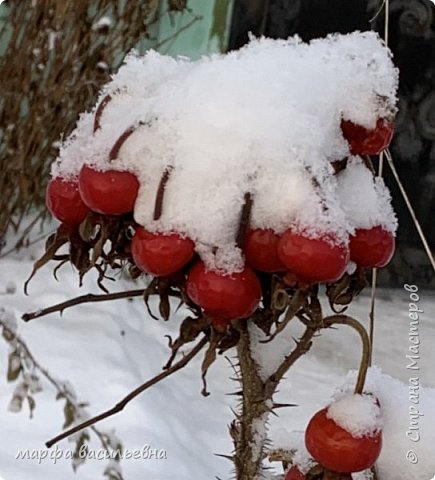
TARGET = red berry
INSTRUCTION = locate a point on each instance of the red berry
(224, 296)
(372, 247)
(368, 142)
(110, 192)
(336, 449)
(64, 201)
(261, 250)
(161, 254)
(294, 474)
(315, 260)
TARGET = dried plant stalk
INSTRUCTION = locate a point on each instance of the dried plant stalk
(58, 55)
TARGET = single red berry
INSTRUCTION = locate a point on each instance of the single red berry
(110, 192)
(224, 296)
(261, 250)
(64, 201)
(314, 260)
(161, 254)
(368, 142)
(336, 449)
(373, 247)
(294, 474)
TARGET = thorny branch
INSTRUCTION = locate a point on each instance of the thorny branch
(88, 298)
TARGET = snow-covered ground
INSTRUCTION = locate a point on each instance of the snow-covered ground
(107, 349)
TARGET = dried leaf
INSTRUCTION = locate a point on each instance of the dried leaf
(209, 358)
(14, 366)
(69, 412)
(32, 404)
(164, 306)
(54, 242)
(79, 456)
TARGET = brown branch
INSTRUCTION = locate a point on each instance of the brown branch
(158, 207)
(365, 357)
(88, 298)
(294, 305)
(121, 405)
(245, 219)
(249, 448)
(100, 110)
(302, 346)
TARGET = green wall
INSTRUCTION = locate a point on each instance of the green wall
(202, 29)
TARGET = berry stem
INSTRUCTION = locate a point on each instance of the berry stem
(365, 357)
(113, 155)
(158, 206)
(245, 219)
(99, 112)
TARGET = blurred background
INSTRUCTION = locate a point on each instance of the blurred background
(55, 56)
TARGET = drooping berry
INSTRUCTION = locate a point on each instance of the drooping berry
(321, 259)
(64, 201)
(111, 192)
(336, 449)
(373, 247)
(368, 142)
(261, 250)
(224, 296)
(161, 254)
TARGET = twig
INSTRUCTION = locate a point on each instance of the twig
(88, 298)
(302, 346)
(121, 405)
(175, 35)
(411, 209)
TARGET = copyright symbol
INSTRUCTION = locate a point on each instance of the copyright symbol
(411, 457)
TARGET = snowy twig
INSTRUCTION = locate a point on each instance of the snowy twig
(121, 405)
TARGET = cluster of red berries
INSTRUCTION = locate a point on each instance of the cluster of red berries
(228, 297)
(337, 450)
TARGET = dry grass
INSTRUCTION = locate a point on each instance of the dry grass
(57, 57)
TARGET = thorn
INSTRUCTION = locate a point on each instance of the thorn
(239, 393)
(284, 405)
(228, 457)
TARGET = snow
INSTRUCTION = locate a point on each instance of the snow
(357, 414)
(366, 201)
(106, 350)
(264, 119)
